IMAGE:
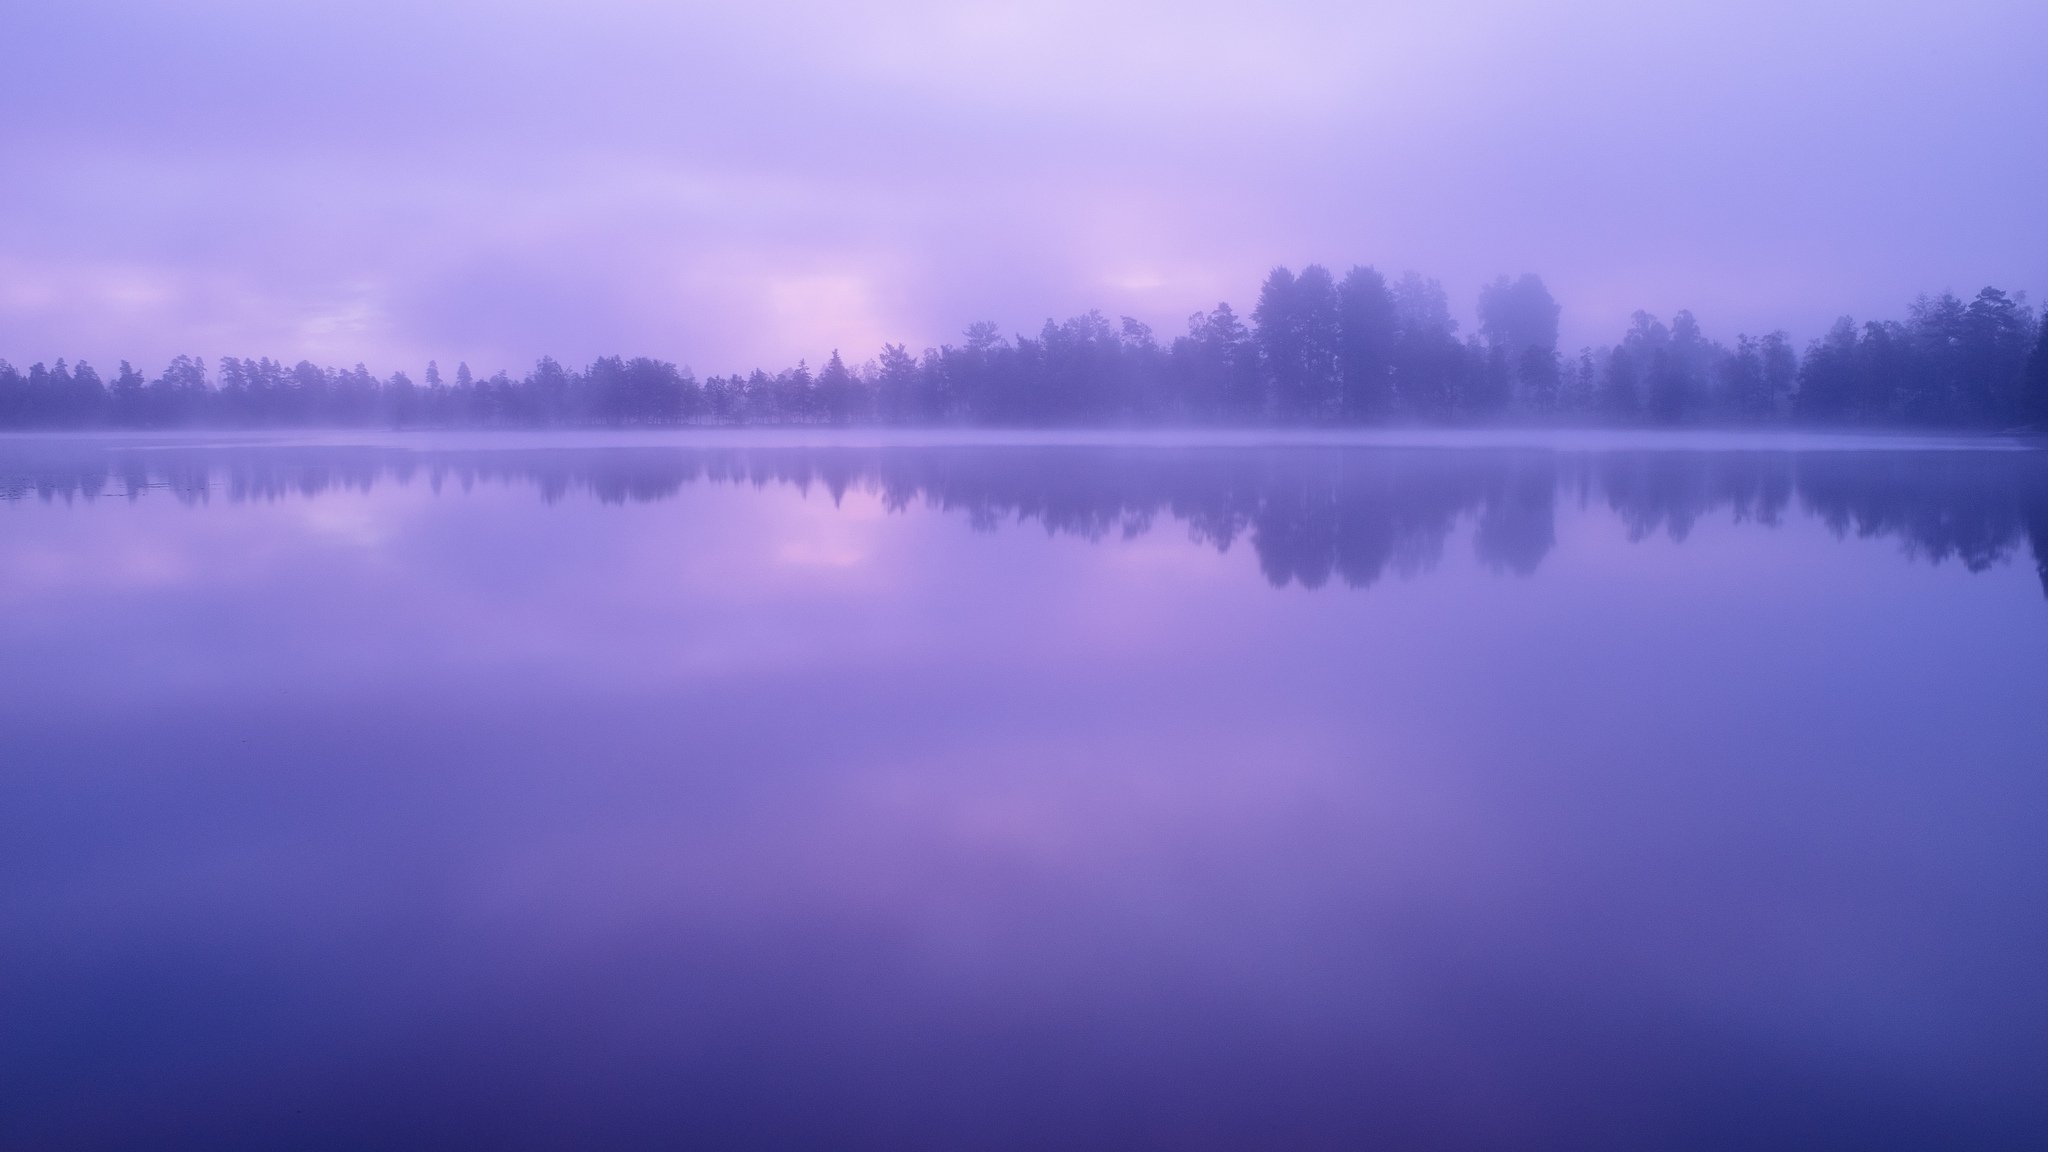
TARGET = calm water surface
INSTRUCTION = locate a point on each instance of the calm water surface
(706, 793)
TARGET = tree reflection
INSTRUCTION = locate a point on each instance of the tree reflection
(1310, 514)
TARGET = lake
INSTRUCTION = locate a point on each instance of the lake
(1086, 792)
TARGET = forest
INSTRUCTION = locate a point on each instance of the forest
(1316, 350)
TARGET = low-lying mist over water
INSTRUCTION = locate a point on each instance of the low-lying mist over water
(556, 792)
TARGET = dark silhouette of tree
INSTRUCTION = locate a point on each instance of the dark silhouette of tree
(1620, 396)
(401, 400)
(126, 404)
(86, 398)
(1578, 385)
(1076, 362)
(16, 410)
(1886, 364)
(1829, 388)
(1518, 321)
(837, 401)
(1742, 380)
(1659, 366)
(1298, 328)
(1781, 372)
(1367, 328)
(1538, 370)
(180, 395)
(897, 386)
(1429, 363)
(1145, 391)
(1217, 367)
(1690, 368)
(1936, 388)
(1997, 335)
(2034, 392)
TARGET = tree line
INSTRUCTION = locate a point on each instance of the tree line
(1317, 350)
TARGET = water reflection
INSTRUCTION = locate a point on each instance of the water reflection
(427, 797)
(1310, 514)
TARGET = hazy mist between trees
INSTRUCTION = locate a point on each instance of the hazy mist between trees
(1311, 514)
(1318, 350)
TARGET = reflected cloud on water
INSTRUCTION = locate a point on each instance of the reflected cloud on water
(1313, 515)
(341, 809)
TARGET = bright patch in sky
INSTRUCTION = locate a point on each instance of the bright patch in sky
(728, 185)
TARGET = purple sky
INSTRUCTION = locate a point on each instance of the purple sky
(731, 183)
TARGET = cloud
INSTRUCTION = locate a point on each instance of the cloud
(727, 184)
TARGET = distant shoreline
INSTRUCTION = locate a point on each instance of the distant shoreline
(1567, 438)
